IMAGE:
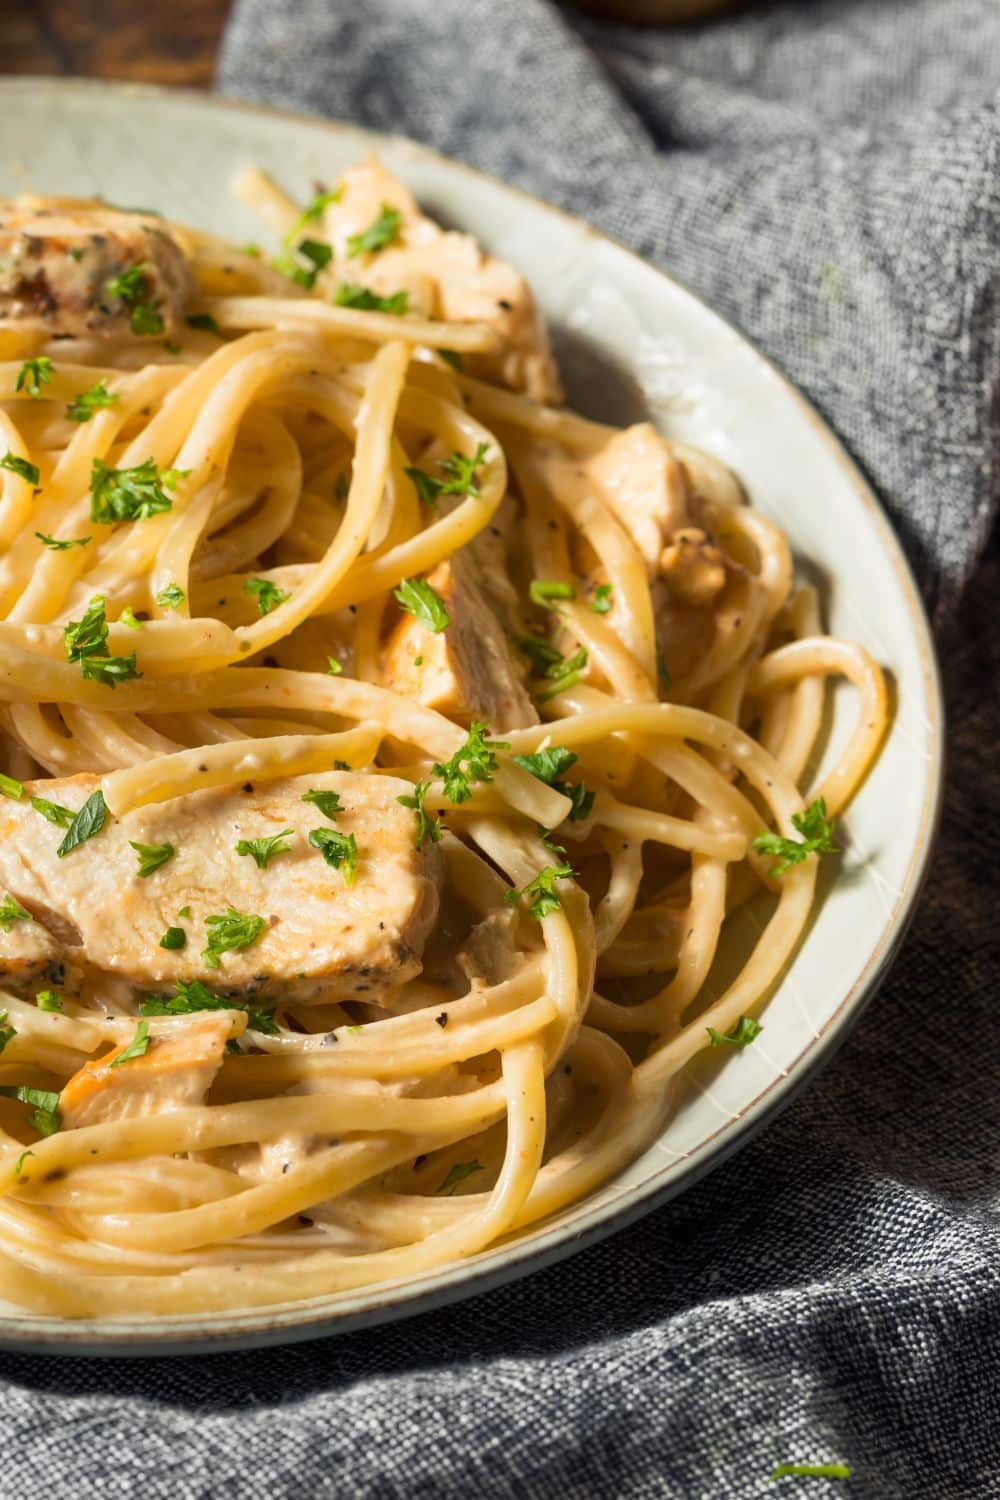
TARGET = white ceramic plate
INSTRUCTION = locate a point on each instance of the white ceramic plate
(632, 341)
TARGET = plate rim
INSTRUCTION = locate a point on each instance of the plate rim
(288, 1323)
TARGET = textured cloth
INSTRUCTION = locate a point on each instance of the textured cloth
(826, 175)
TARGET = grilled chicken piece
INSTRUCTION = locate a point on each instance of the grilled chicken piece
(643, 486)
(468, 670)
(57, 258)
(323, 939)
(446, 275)
(176, 1070)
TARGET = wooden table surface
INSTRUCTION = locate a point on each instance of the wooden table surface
(148, 41)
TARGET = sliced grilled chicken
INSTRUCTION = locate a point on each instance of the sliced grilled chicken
(77, 267)
(642, 485)
(309, 934)
(176, 1070)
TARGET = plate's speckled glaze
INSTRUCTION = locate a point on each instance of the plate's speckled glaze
(632, 341)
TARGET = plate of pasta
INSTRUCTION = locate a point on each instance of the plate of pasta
(469, 739)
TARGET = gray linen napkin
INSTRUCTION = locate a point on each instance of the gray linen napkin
(825, 174)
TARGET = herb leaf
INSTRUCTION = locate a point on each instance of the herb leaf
(269, 596)
(88, 822)
(132, 289)
(53, 811)
(380, 233)
(475, 760)
(171, 597)
(418, 598)
(10, 787)
(542, 592)
(329, 803)
(459, 1172)
(743, 1033)
(459, 470)
(338, 849)
(130, 494)
(12, 911)
(109, 669)
(564, 674)
(33, 374)
(89, 635)
(263, 850)
(206, 323)
(45, 1116)
(359, 297)
(451, 357)
(333, 667)
(228, 932)
(61, 544)
(289, 263)
(542, 890)
(83, 407)
(548, 766)
(196, 996)
(21, 466)
(174, 938)
(151, 856)
(428, 824)
(313, 212)
(48, 1000)
(817, 838)
(137, 1047)
(600, 602)
(7, 1032)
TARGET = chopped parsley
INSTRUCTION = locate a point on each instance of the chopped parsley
(418, 598)
(459, 1172)
(151, 856)
(10, 787)
(19, 1164)
(110, 670)
(544, 898)
(600, 601)
(61, 544)
(86, 642)
(129, 618)
(82, 407)
(743, 1033)
(174, 938)
(548, 766)
(329, 803)
(459, 470)
(662, 671)
(48, 1000)
(380, 233)
(333, 667)
(269, 596)
(228, 932)
(171, 597)
(131, 288)
(451, 357)
(137, 1047)
(88, 822)
(263, 850)
(184, 912)
(562, 673)
(45, 1116)
(12, 911)
(475, 760)
(812, 1471)
(206, 323)
(33, 374)
(303, 262)
(130, 494)
(196, 996)
(360, 298)
(21, 466)
(311, 214)
(428, 824)
(341, 488)
(7, 1031)
(543, 593)
(817, 838)
(61, 816)
(338, 849)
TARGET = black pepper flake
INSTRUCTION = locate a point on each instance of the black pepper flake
(502, 302)
(442, 1019)
(203, 769)
(418, 1161)
(248, 786)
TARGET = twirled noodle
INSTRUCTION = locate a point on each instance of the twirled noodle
(637, 626)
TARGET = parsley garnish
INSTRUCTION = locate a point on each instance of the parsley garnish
(541, 655)
(545, 900)
(88, 822)
(137, 1047)
(12, 911)
(542, 593)
(316, 252)
(812, 1471)
(418, 598)
(82, 407)
(460, 476)
(333, 667)
(130, 494)
(21, 466)
(475, 760)
(86, 641)
(263, 850)
(563, 674)
(329, 803)
(338, 849)
(451, 357)
(151, 856)
(53, 811)
(130, 286)
(171, 597)
(428, 824)
(459, 1173)
(33, 374)
(197, 996)
(61, 544)
(206, 323)
(600, 602)
(662, 671)
(229, 931)
(360, 298)
(341, 489)
(185, 912)
(48, 1000)
(269, 596)
(548, 766)
(817, 838)
(19, 1164)
(380, 233)
(12, 788)
(7, 1032)
(129, 618)
(173, 938)
(45, 1116)
(312, 213)
(743, 1033)
(110, 670)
